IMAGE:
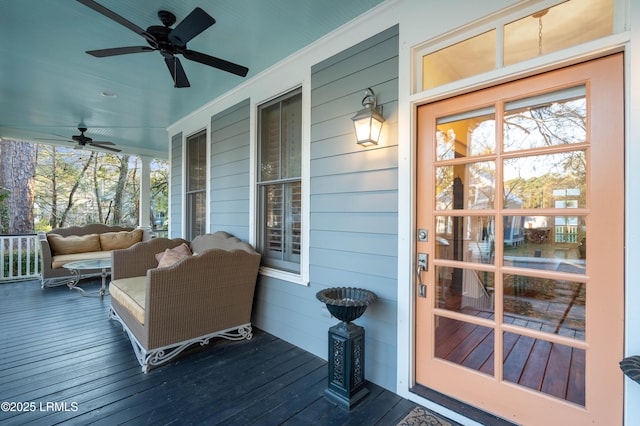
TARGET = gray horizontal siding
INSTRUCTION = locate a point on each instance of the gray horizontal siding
(175, 191)
(229, 177)
(353, 211)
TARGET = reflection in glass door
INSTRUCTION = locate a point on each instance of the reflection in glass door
(511, 181)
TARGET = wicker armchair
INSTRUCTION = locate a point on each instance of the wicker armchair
(165, 310)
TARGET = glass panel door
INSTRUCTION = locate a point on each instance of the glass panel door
(513, 182)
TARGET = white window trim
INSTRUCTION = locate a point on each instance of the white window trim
(301, 278)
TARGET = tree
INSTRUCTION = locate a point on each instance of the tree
(17, 173)
(76, 184)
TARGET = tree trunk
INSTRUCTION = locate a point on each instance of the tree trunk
(96, 189)
(17, 174)
(74, 189)
(120, 186)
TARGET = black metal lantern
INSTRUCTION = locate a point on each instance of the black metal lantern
(368, 121)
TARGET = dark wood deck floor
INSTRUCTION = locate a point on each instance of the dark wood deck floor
(65, 362)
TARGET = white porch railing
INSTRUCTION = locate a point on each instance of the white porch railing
(20, 256)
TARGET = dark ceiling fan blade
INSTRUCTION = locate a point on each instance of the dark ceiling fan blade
(103, 53)
(216, 62)
(102, 146)
(101, 143)
(177, 72)
(195, 23)
(119, 19)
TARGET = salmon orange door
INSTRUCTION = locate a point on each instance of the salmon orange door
(520, 220)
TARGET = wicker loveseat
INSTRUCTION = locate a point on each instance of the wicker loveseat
(201, 296)
(93, 241)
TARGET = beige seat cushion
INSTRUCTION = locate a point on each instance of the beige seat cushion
(120, 240)
(130, 293)
(59, 260)
(74, 243)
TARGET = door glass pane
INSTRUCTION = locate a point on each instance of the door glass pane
(464, 290)
(466, 186)
(546, 181)
(550, 119)
(552, 243)
(553, 306)
(465, 344)
(466, 238)
(551, 368)
(466, 135)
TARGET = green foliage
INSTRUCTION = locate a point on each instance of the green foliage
(19, 264)
(4, 210)
(75, 187)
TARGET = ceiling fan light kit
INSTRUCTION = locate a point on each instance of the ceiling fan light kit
(168, 41)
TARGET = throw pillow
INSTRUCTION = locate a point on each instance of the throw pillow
(73, 243)
(120, 240)
(171, 256)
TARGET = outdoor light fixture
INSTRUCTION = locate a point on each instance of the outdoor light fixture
(368, 121)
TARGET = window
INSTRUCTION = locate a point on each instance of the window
(545, 31)
(196, 201)
(279, 182)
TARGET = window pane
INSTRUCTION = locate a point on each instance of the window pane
(270, 143)
(464, 290)
(465, 186)
(282, 225)
(197, 157)
(281, 140)
(464, 344)
(466, 135)
(549, 30)
(551, 119)
(292, 137)
(196, 210)
(553, 306)
(552, 243)
(465, 59)
(546, 181)
(551, 368)
(465, 238)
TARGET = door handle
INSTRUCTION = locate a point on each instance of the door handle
(423, 265)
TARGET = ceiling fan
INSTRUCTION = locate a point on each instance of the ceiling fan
(82, 141)
(168, 41)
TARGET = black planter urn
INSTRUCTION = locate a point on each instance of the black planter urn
(346, 344)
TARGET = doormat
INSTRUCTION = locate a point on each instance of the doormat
(420, 416)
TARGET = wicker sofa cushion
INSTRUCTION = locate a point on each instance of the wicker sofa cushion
(120, 240)
(130, 293)
(62, 259)
(74, 243)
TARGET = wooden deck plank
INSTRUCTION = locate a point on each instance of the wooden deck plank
(57, 346)
(576, 386)
(557, 377)
(535, 366)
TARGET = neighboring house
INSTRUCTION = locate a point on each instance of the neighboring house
(283, 171)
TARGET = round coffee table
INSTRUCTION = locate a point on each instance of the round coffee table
(80, 266)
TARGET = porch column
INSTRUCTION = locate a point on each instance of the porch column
(144, 207)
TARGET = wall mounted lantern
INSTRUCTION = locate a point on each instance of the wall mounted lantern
(368, 121)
